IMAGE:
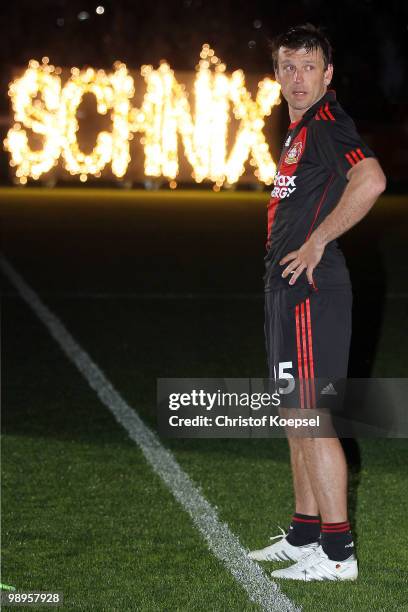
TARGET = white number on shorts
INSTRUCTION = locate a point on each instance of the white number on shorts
(285, 365)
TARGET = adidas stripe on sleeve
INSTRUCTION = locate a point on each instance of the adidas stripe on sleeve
(340, 145)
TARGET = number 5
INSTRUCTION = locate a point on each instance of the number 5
(286, 376)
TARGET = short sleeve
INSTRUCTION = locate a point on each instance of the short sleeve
(339, 144)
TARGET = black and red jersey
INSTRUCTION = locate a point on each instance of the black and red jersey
(318, 152)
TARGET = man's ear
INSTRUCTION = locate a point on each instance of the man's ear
(328, 75)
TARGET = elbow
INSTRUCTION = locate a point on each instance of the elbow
(376, 183)
(380, 183)
(369, 173)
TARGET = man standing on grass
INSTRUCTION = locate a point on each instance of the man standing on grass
(327, 180)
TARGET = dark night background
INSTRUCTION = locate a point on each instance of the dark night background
(370, 41)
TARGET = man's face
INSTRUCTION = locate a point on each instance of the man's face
(302, 76)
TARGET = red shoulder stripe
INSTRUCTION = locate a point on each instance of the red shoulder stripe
(328, 112)
(322, 115)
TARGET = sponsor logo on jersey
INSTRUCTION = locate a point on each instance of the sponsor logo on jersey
(294, 153)
(284, 186)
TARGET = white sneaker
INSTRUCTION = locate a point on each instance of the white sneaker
(282, 550)
(318, 566)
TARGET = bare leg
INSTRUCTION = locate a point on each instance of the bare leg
(327, 470)
(304, 497)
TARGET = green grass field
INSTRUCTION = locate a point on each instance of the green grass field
(170, 285)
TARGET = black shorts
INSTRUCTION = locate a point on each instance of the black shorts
(308, 340)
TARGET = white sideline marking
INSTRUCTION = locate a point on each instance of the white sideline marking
(221, 541)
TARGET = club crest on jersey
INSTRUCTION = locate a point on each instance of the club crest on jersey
(294, 153)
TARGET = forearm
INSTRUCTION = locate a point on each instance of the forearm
(358, 197)
(366, 182)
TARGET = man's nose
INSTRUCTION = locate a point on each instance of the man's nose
(298, 76)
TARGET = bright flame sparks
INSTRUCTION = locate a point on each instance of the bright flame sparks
(41, 104)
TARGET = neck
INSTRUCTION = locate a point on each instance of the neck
(296, 114)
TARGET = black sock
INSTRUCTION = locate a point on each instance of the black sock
(337, 541)
(304, 529)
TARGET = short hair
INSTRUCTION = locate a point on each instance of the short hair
(308, 36)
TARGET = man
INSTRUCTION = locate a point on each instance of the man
(327, 180)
